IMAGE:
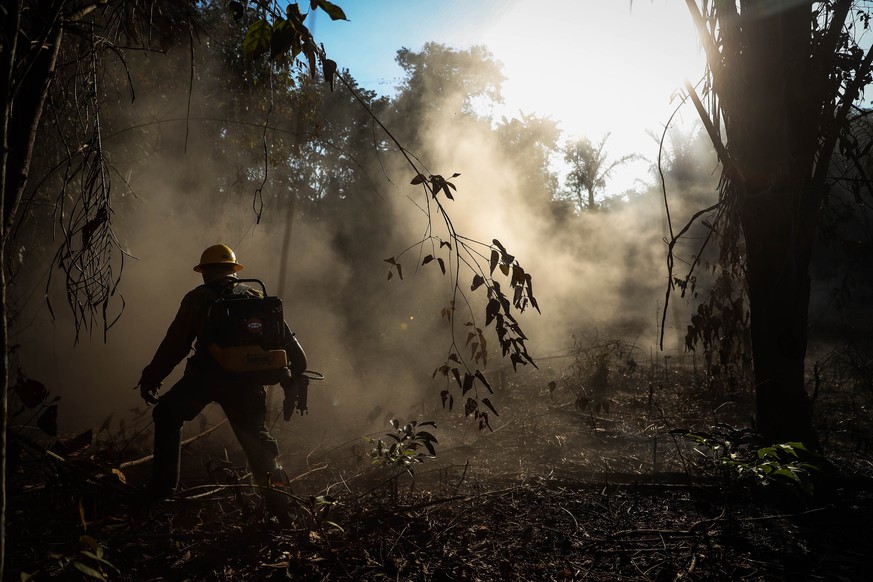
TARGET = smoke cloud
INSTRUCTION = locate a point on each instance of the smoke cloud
(377, 341)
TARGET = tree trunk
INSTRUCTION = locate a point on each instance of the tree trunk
(773, 135)
(778, 285)
(4, 407)
(7, 63)
(24, 98)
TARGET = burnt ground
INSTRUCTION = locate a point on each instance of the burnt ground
(572, 484)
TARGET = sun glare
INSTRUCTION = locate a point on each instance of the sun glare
(596, 66)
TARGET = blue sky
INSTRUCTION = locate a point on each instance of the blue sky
(376, 29)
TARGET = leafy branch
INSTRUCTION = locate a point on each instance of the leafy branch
(789, 463)
(498, 309)
(405, 450)
(282, 35)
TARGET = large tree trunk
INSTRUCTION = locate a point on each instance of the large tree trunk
(778, 284)
(773, 137)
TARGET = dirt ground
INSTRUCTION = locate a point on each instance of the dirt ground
(570, 485)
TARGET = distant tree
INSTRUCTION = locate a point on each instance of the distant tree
(590, 168)
(440, 78)
(528, 143)
(685, 159)
(785, 78)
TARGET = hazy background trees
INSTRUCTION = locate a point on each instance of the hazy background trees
(214, 148)
(590, 168)
(133, 138)
(313, 195)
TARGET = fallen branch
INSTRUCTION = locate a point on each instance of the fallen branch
(186, 442)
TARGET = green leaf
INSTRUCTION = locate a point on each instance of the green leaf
(334, 11)
(787, 473)
(797, 446)
(257, 39)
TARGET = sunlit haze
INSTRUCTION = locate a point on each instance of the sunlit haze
(554, 329)
(595, 66)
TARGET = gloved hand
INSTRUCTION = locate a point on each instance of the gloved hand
(295, 396)
(149, 392)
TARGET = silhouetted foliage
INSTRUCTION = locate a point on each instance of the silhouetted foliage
(782, 84)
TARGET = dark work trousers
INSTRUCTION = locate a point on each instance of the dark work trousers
(246, 410)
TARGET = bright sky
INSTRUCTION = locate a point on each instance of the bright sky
(595, 66)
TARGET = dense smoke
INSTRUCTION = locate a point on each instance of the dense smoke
(377, 340)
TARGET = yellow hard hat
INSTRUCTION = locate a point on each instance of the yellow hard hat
(218, 255)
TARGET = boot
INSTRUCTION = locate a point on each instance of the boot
(165, 464)
(276, 501)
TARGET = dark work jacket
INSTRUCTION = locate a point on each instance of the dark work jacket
(188, 326)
